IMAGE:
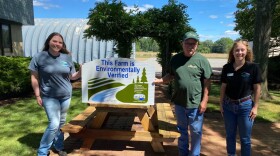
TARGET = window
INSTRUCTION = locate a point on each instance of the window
(5, 38)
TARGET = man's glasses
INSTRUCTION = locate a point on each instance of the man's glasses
(190, 43)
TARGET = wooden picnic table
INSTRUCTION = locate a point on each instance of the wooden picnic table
(157, 120)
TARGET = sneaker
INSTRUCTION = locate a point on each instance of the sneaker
(60, 153)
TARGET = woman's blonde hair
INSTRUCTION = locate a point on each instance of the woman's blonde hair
(249, 56)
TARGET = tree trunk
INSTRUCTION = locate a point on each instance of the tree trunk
(166, 59)
(261, 39)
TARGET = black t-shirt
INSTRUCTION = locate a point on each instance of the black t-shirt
(240, 83)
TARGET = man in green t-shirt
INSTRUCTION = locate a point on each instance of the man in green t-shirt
(191, 73)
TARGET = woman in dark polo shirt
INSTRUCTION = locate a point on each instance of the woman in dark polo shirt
(239, 96)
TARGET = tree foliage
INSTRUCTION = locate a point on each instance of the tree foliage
(109, 21)
(147, 44)
(168, 26)
(262, 34)
(205, 46)
(222, 45)
(225, 42)
(246, 15)
(259, 20)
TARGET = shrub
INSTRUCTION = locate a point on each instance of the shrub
(14, 77)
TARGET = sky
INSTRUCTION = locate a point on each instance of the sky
(212, 19)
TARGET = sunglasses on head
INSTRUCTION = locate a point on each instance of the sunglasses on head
(244, 41)
(238, 40)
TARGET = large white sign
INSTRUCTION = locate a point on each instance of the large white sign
(118, 81)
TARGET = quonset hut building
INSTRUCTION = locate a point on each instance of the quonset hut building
(72, 30)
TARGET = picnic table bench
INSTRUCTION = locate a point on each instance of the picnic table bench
(157, 121)
(166, 121)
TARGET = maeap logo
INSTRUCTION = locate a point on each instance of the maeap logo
(140, 97)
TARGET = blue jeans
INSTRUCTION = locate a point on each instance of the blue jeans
(237, 115)
(56, 110)
(193, 119)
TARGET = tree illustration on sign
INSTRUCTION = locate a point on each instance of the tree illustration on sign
(144, 77)
(136, 92)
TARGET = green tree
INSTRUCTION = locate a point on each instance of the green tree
(208, 43)
(246, 15)
(218, 48)
(137, 47)
(167, 26)
(205, 46)
(144, 77)
(225, 43)
(144, 42)
(245, 18)
(203, 49)
(147, 44)
(109, 21)
(262, 34)
(259, 20)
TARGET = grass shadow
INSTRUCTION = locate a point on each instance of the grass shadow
(32, 140)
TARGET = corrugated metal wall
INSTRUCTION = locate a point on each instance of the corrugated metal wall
(83, 49)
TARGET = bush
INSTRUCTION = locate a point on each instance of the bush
(14, 77)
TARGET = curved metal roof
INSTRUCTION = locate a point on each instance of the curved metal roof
(72, 30)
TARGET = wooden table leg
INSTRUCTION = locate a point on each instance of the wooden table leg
(157, 146)
(96, 122)
(146, 119)
(153, 115)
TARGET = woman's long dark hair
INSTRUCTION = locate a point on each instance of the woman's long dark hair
(47, 46)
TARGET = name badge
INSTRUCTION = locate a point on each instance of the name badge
(229, 74)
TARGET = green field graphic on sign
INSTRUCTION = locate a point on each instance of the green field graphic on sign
(134, 92)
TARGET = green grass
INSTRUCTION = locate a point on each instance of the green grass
(269, 111)
(22, 125)
(23, 122)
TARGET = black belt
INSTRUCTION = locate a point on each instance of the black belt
(239, 100)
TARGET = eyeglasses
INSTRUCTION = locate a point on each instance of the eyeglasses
(190, 43)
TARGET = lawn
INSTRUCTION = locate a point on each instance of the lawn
(269, 111)
(23, 122)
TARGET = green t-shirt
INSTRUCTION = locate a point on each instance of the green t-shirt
(189, 74)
